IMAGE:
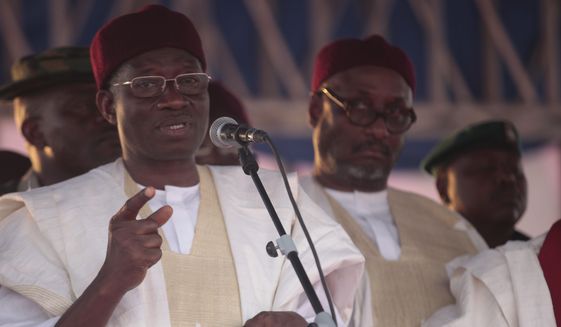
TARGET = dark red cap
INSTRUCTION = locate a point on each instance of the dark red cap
(127, 36)
(348, 53)
(225, 103)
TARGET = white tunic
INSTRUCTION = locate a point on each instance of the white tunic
(409, 209)
(179, 230)
(502, 287)
(57, 241)
(372, 212)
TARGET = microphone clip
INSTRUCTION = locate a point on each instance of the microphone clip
(245, 135)
(225, 132)
(285, 245)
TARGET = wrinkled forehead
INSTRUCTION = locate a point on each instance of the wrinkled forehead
(160, 62)
(56, 100)
(371, 80)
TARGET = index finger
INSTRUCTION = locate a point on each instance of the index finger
(130, 210)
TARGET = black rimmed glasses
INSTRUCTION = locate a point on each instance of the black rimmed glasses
(361, 113)
(152, 86)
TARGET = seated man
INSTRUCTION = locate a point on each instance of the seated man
(86, 252)
(478, 173)
(514, 285)
(361, 109)
(53, 95)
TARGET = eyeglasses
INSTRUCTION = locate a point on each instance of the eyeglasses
(152, 86)
(360, 112)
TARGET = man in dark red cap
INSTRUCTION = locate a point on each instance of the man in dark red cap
(360, 109)
(187, 246)
(53, 94)
(223, 103)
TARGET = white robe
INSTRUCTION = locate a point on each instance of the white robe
(53, 242)
(363, 311)
(498, 288)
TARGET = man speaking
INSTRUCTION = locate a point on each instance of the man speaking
(152, 239)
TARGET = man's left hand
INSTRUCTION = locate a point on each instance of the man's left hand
(276, 319)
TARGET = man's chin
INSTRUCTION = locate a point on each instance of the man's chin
(366, 173)
(502, 219)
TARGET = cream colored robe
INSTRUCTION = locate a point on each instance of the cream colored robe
(405, 285)
(498, 288)
(53, 242)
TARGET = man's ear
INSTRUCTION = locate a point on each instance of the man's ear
(315, 110)
(32, 132)
(105, 102)
(442, 185)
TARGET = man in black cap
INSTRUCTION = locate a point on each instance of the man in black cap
(53, 95)
(478, 173)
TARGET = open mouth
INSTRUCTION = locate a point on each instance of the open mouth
(175, 128)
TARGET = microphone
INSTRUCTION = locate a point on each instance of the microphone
(225, 132)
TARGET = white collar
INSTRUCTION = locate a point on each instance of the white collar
(363, 203)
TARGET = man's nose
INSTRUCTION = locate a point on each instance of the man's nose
(505, 175)
(377, 128)
(171, 98)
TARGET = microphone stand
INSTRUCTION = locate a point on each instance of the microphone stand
(285, 243)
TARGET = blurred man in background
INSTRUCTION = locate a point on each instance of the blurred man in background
(53, 95)
(360, 110)
(223, 103)
(478, 173)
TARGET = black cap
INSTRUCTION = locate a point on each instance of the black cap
(51, 67)
(489, 134)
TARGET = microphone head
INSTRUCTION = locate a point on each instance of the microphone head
(215, 132)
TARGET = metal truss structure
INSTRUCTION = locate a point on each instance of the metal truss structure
(279, 102)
